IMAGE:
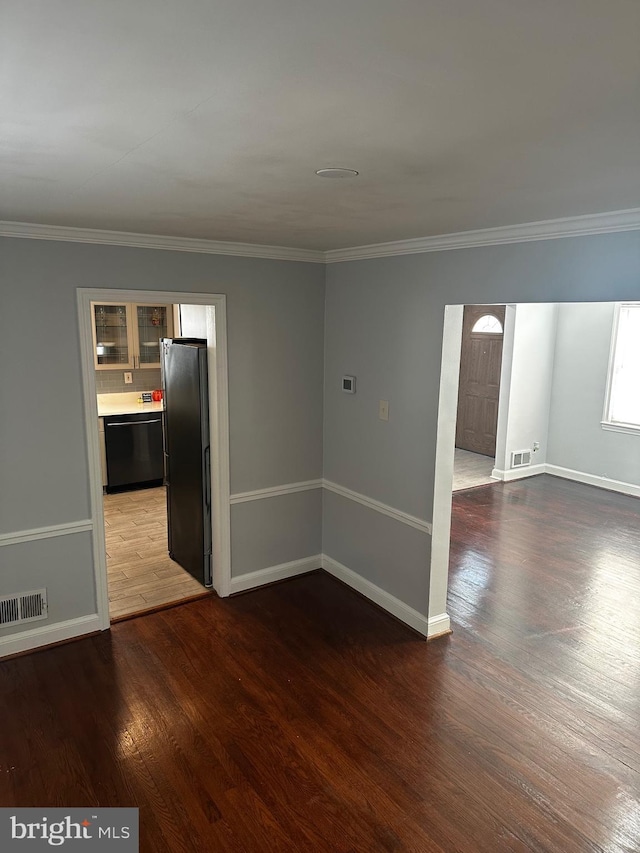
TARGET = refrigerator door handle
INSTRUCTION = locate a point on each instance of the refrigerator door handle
(207, 477)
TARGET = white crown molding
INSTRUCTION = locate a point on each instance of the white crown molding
(547, 229)
(34, 231)
(371, 503)
(50, 532)
(275, 491)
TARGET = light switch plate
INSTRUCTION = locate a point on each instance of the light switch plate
(128, 378)
(383, 410)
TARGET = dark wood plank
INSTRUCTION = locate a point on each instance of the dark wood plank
(300, 717)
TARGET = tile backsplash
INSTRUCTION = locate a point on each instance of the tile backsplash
(112, 381)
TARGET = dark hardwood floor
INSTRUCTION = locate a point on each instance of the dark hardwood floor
(301, 718)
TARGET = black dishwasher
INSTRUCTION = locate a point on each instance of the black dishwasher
(134, 450)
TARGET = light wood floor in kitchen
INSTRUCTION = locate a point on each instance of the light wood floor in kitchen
(141, 575)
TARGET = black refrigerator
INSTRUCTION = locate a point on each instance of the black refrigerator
(187, 454)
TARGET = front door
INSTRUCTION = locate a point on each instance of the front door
(479, 389)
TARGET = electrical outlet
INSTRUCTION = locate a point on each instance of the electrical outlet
(128, 378)
(536, 446)
(383, 410)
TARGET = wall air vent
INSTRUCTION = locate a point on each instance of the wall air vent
(23, 607)
(520, 458)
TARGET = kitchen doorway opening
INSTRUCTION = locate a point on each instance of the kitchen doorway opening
(139, 514)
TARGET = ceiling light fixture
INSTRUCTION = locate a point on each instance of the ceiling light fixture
(336, 173)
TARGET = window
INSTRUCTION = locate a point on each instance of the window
(488, 325)
(622, 406)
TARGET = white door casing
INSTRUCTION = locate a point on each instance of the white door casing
(218, 424)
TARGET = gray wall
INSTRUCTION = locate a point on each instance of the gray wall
(525, 389)
(267, 533)
(576, 438)
(383, 323)
(275, 326)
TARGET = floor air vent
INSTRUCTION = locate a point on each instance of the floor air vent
(23, 607)
(520, 458)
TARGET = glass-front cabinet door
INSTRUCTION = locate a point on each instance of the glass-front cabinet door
(113, 345)
(152, 323)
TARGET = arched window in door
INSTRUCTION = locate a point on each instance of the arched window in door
(487, 325)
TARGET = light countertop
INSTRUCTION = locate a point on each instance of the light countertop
(125, 404)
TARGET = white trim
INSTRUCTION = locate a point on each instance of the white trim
(216, 318)
(374, 593)
(434, 627)
(218, 421)
(518, 473)
(50, 532)
(251, 580)
(612, 356)
(87, 362)
(36, 231)
(593, 480)
(606, 422)
(370, 503)
(438, 626)
(445, 454)
(546, 229)
(611, 426)
(275, 491)
(45, 635)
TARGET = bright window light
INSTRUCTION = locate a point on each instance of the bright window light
(488, 325)
(623, 404)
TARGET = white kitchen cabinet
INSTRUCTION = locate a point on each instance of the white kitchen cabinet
(103, 451)
(126, 336)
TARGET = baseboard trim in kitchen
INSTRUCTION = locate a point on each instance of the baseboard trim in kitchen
(283, 571)
(49, 635)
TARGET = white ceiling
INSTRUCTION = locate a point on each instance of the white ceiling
(208, 118)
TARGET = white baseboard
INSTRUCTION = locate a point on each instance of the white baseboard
(275, 573)
(438, 625)
(374, 593)
(433, 627)
(567, 474)
(45, 635)
(594, 480)
(518, 473)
